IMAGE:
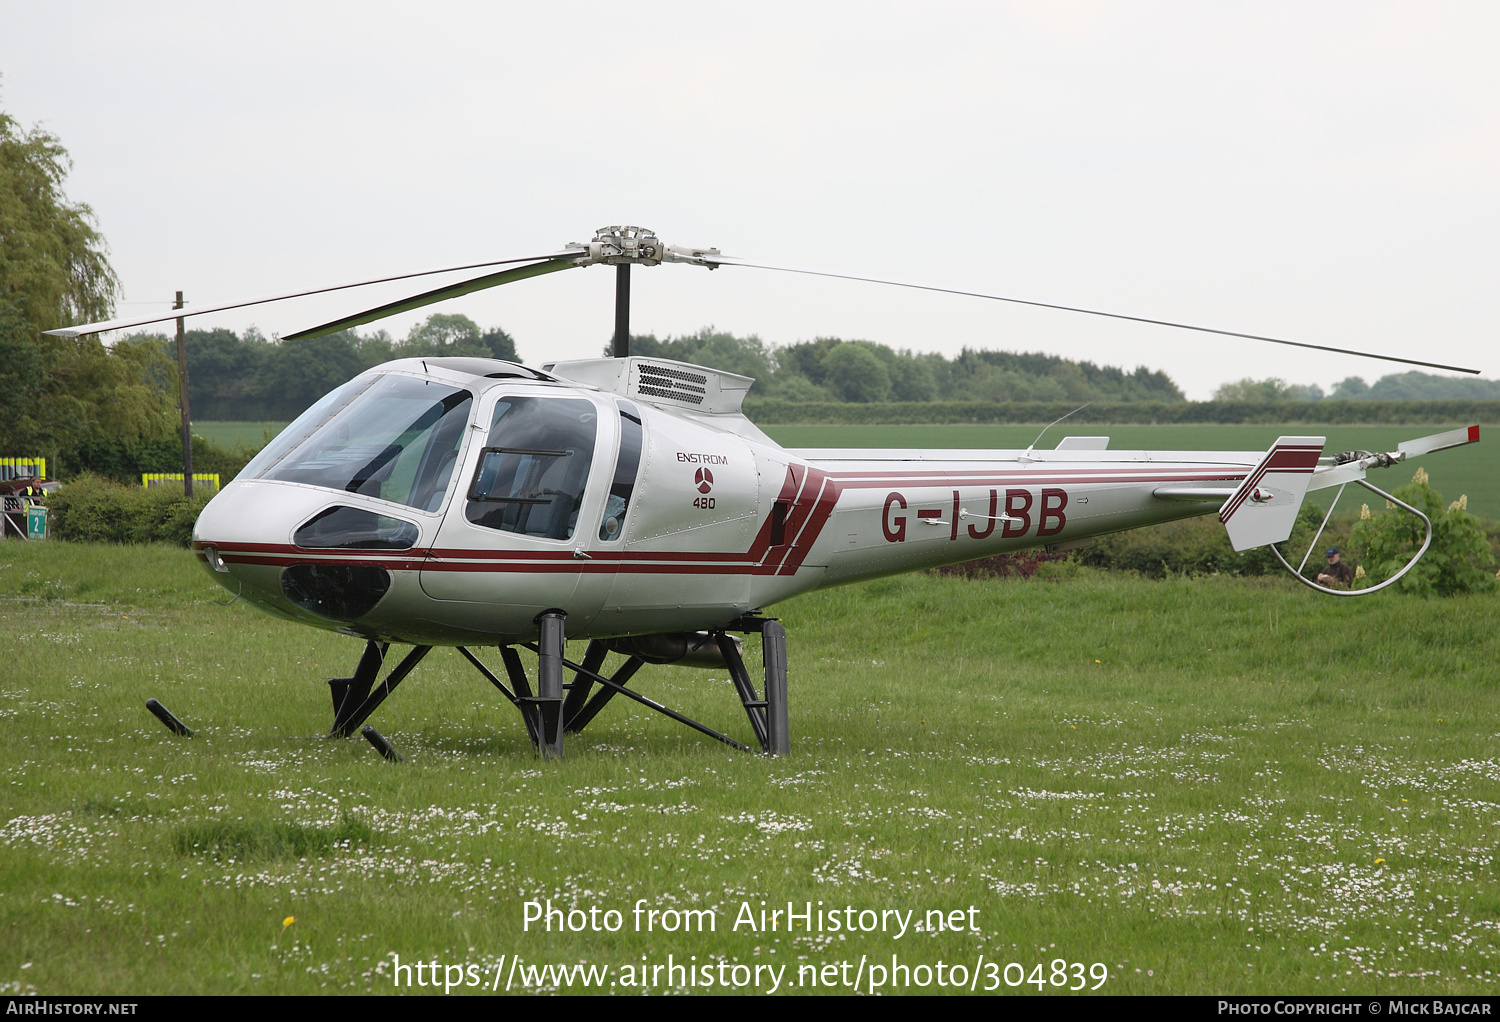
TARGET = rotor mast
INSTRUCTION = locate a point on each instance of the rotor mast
(620, 246)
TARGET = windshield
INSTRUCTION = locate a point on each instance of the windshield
(301, 426)
(398, 440)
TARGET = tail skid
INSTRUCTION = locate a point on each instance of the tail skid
(1349, 468)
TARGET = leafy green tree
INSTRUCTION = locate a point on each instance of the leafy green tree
(1350, 388)
(1415, 386)
(52, 257)
(912, 378)
(441, 334)
(68, 399)
(297, 373)
(1458, 561)
(1270, 389)
(445, 334)
(63, 398)
(748, 356)
(854, 373)
(499, 344)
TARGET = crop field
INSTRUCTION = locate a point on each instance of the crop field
(1075, 782)
(228, 434)
(1473, 470)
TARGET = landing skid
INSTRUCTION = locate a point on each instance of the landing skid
(557, 707)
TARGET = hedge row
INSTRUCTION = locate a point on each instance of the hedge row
(91, 509)
(771, 412)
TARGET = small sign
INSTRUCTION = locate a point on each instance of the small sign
(36, 522)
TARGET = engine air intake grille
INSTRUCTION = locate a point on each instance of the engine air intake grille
(677, 384)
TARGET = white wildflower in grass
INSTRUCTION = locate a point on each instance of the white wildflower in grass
(1242, 793)
(1364, 512)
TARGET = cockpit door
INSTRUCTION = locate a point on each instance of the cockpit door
(519, 532)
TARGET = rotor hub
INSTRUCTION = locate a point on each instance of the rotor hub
(623, 244)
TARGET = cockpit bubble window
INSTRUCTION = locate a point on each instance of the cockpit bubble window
(397, 440)
(612, 527)
(534, 466)
(303, 426)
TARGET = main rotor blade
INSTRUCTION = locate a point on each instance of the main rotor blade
(726, 261)
(440, 294)
(85, 329)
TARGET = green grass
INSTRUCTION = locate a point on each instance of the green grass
(1211, 786)
(228, 435)
(1473, 470)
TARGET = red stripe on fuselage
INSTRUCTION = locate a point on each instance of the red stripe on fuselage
(812, 493)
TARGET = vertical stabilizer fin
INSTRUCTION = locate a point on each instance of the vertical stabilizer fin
(1264, 508)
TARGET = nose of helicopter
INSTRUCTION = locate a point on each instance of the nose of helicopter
(261, 540)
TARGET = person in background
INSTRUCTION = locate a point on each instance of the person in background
(1337, 573)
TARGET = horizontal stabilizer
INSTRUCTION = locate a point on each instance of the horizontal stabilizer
(1264, 508)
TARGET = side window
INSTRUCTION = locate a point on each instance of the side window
(612, 527)
(534, 467)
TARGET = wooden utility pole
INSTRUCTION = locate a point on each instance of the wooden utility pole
(182, 402)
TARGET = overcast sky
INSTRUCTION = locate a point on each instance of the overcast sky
(1328, 172)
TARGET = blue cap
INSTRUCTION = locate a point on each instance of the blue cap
(1331, 551)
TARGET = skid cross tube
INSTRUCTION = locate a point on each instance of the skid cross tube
(517, 673)
(621, 677)
(350, 693)
(515, 700)
(578, 692)
(755, 707)
(374, 699)
(648, 702)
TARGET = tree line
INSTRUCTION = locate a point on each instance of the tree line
(1410, 386)
(251, 377)
(254, 378)
(864, 372)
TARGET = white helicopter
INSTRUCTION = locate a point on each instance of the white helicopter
(628, 501)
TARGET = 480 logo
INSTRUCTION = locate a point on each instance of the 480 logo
(703, 479)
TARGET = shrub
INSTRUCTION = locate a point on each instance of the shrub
(1200, 546)
(94, 510)
(1022, 563)
(1460, 559)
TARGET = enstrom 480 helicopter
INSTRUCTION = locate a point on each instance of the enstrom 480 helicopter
(471, 502)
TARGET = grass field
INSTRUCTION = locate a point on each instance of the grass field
(231, 434)
(1205, 786)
